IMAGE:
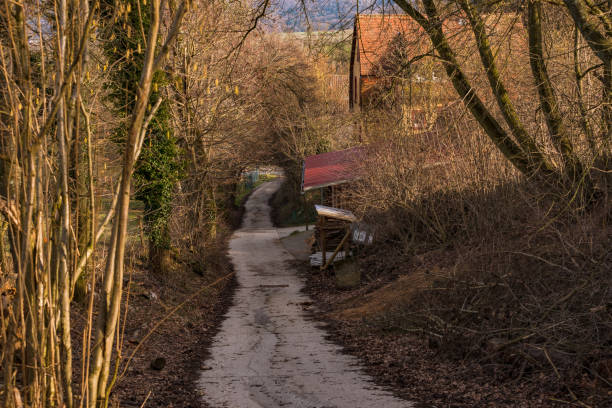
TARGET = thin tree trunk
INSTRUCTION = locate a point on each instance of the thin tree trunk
(527, 143)
(113, 285)
(578, 76)
(433, 27)
(64, 243)
(548, 100)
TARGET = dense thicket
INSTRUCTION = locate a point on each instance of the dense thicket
(496, 199)
(95, 97)
(159, 166)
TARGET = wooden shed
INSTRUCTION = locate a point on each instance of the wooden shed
(331, 174)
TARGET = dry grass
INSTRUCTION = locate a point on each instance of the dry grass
(377, 303)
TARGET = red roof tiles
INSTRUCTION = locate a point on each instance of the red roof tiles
(375, 33)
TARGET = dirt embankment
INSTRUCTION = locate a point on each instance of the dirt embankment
(168, 323)
(364, 320)
(166, 366)
(404, 361)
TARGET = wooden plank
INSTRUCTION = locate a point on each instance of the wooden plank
(337, 213)
(316, 258)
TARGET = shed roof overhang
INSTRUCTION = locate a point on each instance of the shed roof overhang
(332, 212)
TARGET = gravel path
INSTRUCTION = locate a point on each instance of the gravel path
(267, 353)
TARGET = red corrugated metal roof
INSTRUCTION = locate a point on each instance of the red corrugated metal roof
(332, 168)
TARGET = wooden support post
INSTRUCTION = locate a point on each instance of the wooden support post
(333, 196)
(323, 242)
(326, 264)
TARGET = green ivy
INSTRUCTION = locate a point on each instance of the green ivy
(157, 172)
(159, 167)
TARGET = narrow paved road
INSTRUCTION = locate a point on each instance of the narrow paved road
(267, 353)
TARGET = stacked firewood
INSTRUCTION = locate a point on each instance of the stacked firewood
(334, 230)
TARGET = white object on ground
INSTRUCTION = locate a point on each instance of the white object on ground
(316, 259)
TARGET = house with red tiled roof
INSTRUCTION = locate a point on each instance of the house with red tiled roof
(376, 38)
(392, 52)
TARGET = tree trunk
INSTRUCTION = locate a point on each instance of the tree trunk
(159, 258)
(528, 144)
(548, 101)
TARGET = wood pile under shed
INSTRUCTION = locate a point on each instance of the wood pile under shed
(331, 173)
(332, 232)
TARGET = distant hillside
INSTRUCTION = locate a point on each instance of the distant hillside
(322, 15)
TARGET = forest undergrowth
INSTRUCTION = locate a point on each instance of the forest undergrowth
(486, 272)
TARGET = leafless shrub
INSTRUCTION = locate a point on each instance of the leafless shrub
(516, 278)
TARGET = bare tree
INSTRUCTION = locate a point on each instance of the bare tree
(44, 51)
(566, 165)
